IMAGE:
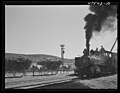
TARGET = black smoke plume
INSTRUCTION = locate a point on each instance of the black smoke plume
(94, 22)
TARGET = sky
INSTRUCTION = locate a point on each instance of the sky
(41, 29)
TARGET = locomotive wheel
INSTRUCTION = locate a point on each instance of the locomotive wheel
(85, 73)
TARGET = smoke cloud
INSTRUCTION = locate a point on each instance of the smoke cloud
(102, 16)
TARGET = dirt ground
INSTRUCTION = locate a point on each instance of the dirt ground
(30, 80)
(109, 82)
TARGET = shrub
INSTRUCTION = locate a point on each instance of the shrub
(17, 64)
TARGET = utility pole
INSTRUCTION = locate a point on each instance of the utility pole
(62, 52)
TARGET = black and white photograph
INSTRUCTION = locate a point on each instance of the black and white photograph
(61, 46)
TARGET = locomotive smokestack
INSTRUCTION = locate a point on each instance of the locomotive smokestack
(87, 47)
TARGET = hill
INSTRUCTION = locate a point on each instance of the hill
(37, 57)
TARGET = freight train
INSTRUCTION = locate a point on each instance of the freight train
(95, 64)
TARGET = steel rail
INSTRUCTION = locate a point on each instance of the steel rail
(46, 84)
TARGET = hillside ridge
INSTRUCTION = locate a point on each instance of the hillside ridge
(36, 57)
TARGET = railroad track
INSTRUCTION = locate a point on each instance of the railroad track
(35, 86)
(27, 84)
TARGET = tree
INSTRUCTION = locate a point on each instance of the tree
(50, 64)
(17, 64)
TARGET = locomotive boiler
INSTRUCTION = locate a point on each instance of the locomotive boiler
(96, 64)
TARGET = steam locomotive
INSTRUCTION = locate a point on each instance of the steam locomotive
(95, 65)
